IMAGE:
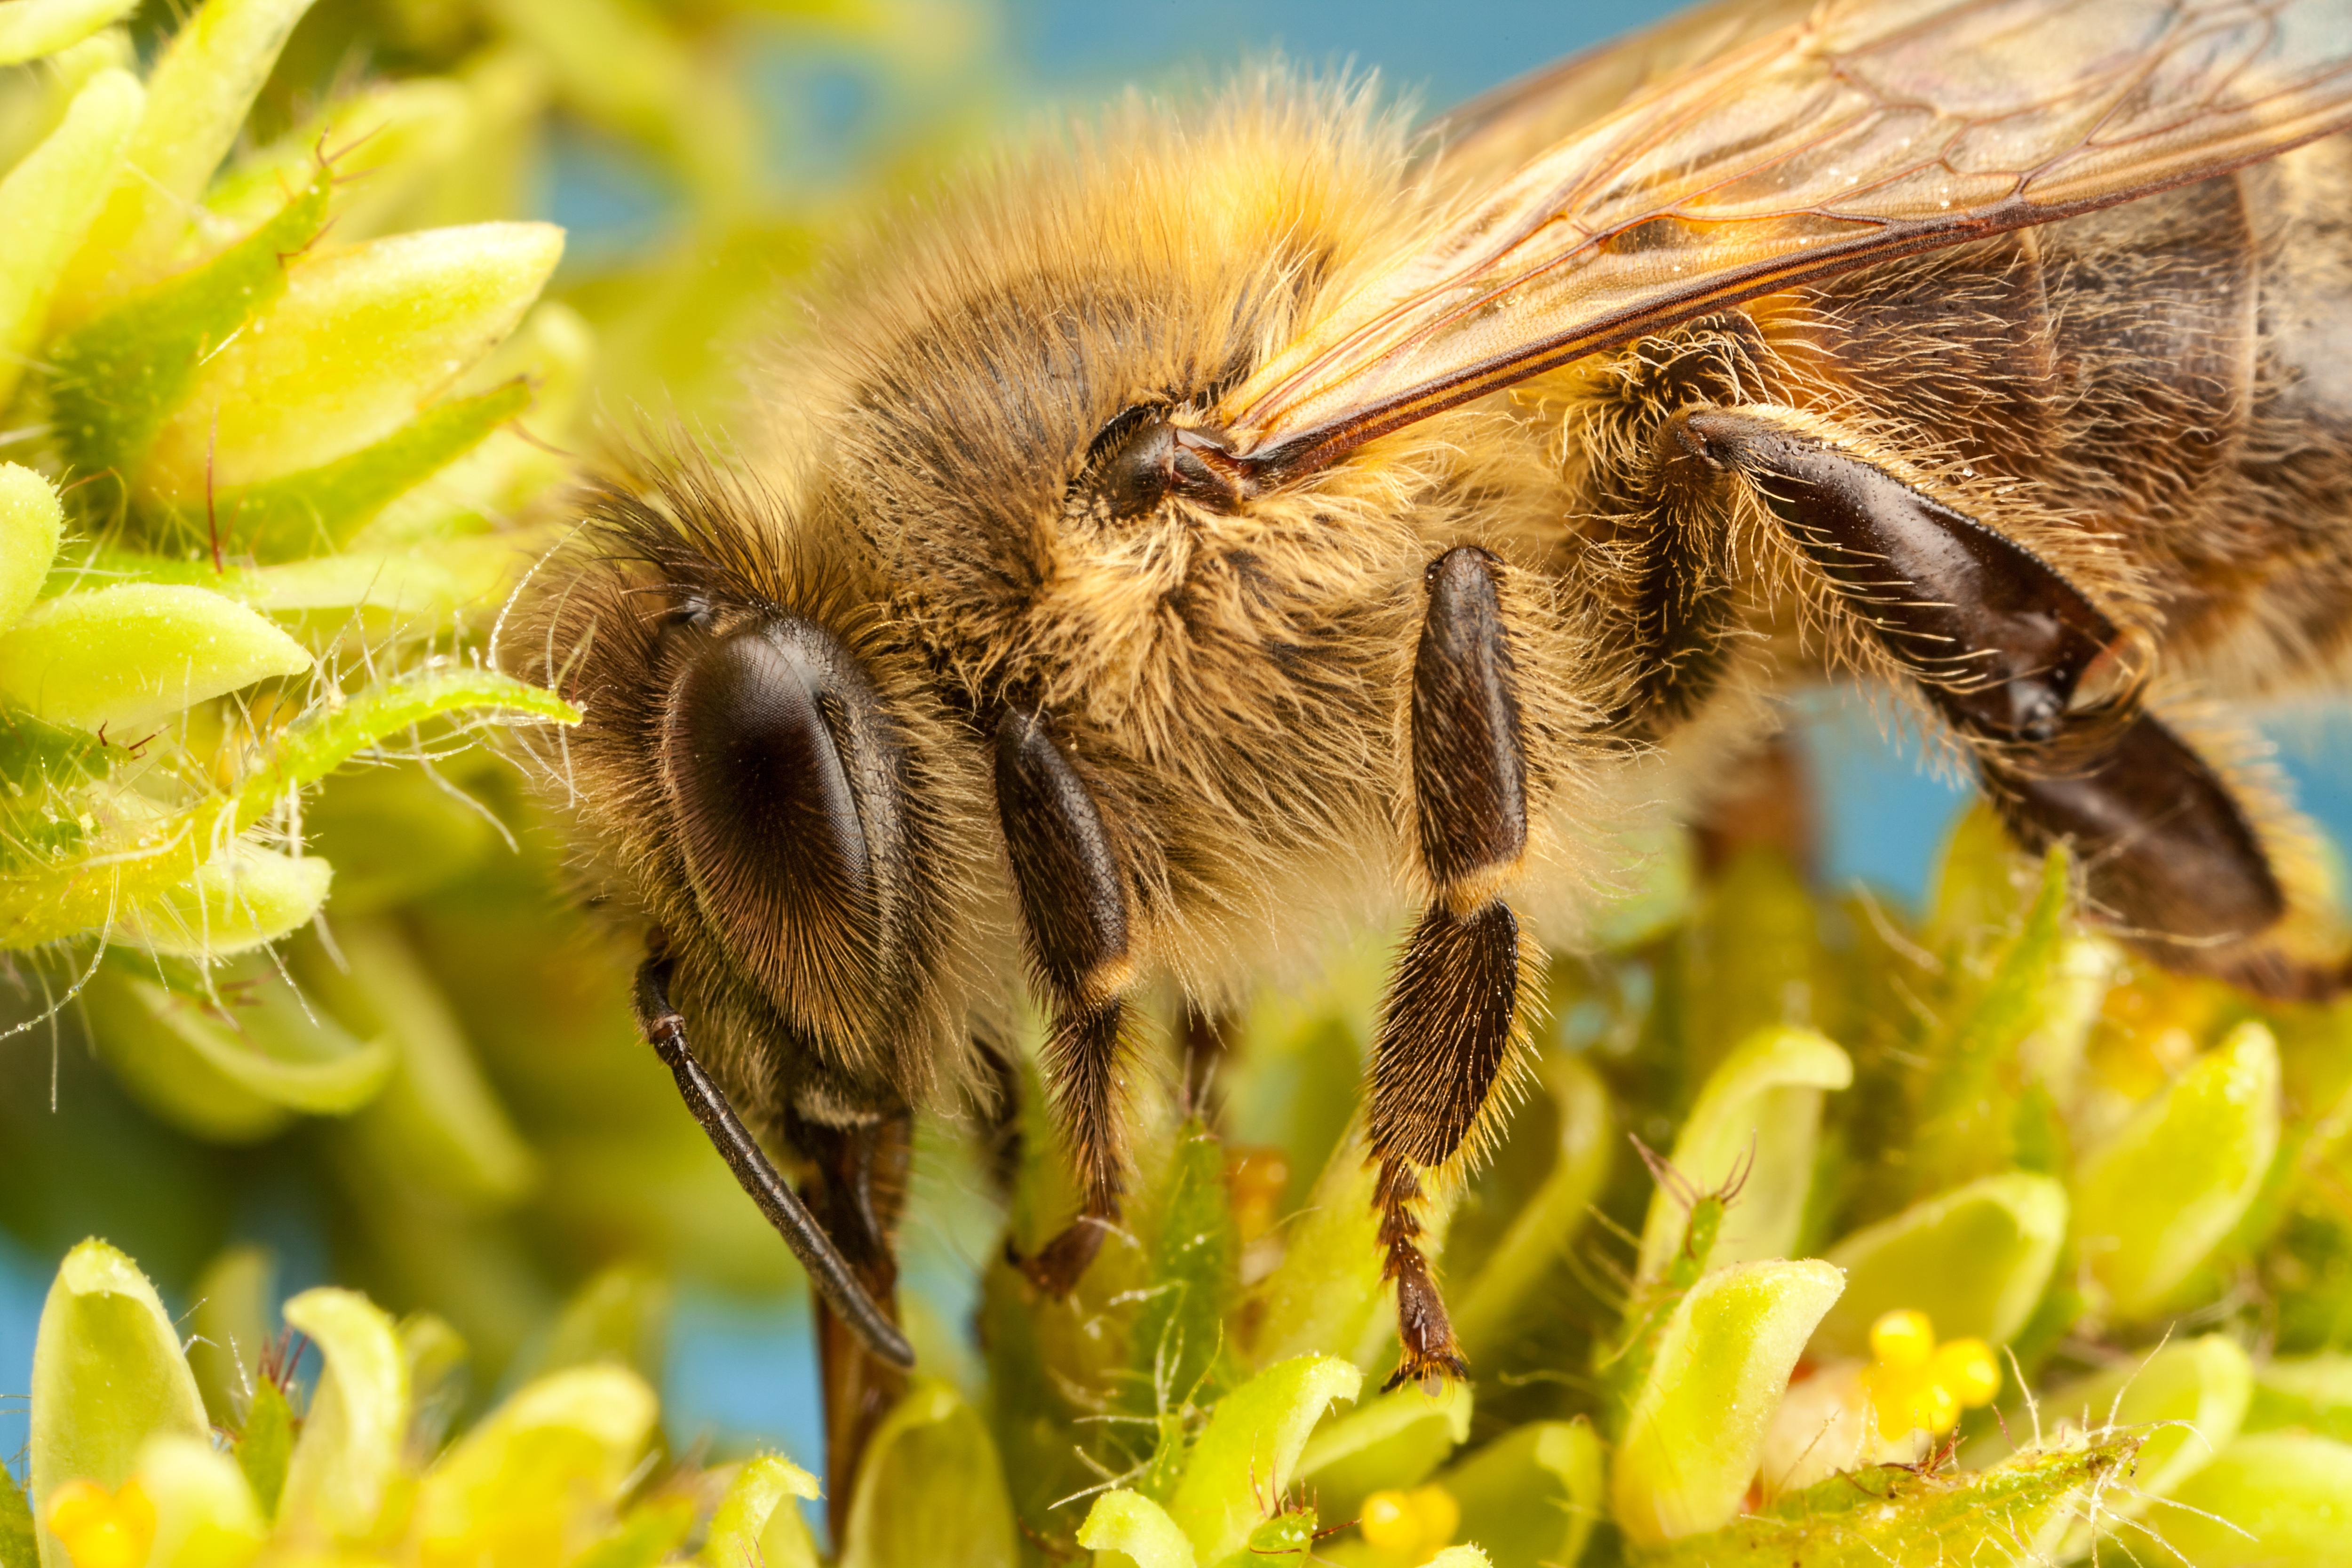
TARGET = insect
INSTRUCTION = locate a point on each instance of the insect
(1237, 520)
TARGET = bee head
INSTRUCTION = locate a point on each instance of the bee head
(762, 775)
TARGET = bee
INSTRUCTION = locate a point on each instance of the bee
(1240, 520)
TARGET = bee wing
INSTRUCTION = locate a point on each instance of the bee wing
(1473, 146)
(1867, 130)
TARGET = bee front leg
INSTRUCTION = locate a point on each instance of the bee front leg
(1449, 1020)
(1074, 914)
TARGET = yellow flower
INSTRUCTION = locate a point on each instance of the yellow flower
(1916, 1383)
(102, 1529)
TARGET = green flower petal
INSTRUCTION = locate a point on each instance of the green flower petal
(438, 1124)
(236, 1303)
(930, 1489)
(2279, 1499)
(31, 521)
(137, 653)
(205, 1516)
(2190, 1396)
(107, 1375)
(244, 897)
(1250, 1448)
(31, 29)
(357, 346)
(51, 197)
(1766, 1099)
(1693, 1434)
(2313, 1391)
(1532, 1496)
(1976, 1259)
(63, 899)
(351, 1443)
(2156, 1198)
(759, 1501)
(553, 1457)
(1130, 1525)
(235, 1077)
(197, 97)
(1393, 1440)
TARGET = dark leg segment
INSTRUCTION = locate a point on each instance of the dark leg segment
(1446, 1024)
(1074, 911)
(2010, 652)
(833, 1276)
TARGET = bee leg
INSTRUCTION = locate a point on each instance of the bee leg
(1447, 1022)
(2010, 653)
(832, 1275)
(857, 1190)
(1073, 917)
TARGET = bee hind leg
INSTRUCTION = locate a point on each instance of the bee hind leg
(2010, 654)
(1448, 1023)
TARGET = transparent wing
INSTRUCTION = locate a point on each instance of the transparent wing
(1477, 144)
(1866, 129)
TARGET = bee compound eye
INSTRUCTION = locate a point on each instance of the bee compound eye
(775, 763)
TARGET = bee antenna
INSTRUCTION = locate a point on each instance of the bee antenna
(829, 1270)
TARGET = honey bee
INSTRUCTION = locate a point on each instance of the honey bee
(1238, 521)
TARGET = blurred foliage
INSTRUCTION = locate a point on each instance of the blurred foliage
(1806, 1196)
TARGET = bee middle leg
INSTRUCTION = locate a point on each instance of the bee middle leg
(1448, 1020)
